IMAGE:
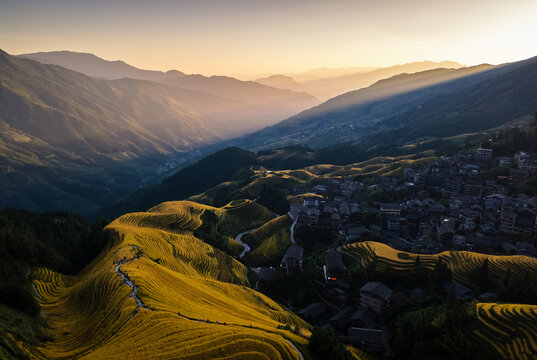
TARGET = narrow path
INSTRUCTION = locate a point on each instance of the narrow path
(246, 247)
(140, 304)
(298, 351)
(293, 232)
(221, 218)
(128, 281)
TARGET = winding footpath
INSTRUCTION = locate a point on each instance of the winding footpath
(140, 304)
(246, 247)
(293, 232)
(128, 281)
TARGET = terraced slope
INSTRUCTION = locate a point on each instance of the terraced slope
(461, 263)
(269, 242)
(158, 292)
(243, 215)
(511, 330)
(287, 179)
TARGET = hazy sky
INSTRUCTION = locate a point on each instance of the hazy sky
(270, 36)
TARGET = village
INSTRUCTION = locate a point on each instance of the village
(460, 202)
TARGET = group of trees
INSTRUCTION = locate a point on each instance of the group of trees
(64, 242)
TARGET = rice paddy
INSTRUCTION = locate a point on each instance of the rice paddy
(196, 302)
(461, 263)
(510, 329)
(269, 242)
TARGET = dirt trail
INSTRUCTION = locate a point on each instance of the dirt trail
(128, 281)
(140, 304)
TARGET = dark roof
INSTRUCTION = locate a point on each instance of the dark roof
(378, 289)
(375, 228)
(365, 315)
(390, 206)
(313, 311)
(334, 260)
(294, 252)
(480, 241)
(461, 291)
(399, 243)
(443, 230)
(265, 274)
(357, 230)
(344, 313)
(368, 336)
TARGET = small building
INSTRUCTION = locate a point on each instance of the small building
(484, 154)
(363, 318)
(265, 276)
(399, 243)
(376, 296)
(311, 201)
(375, 230)
(312, 312)
(335, 267)
(461, 291)
(389, 210)
(342, 319)
(444, 233)
(394, 223)
(369, 340)
(355, 233)
(508, 248)
(292, 260)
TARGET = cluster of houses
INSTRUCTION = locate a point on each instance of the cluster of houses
(474, 213)
(448, 204)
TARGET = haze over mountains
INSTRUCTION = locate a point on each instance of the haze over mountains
(275, 104)
(80, 142)
(77, 142)
(406, 107)
(325, 83)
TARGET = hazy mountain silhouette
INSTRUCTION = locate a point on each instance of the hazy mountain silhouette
(325, 88)
(72, 141)
(281, 82)
(380, 112)
(277, 104)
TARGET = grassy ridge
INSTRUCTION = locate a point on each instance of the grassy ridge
(269, 242)
(461, 263)
(180, 280)
(243, 215)
(285, 180)
(510, 329)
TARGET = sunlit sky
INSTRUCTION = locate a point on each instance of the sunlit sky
(273, 36)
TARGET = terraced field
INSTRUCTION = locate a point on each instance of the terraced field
(461, 263)
(269, 242)
(243, 215)
(158, 292)
(511, 330)
(287, 179)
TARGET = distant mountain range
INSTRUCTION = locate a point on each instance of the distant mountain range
(281, 82)
(326, 83)
(275, 103)
(407, 107)
(71, 141)
(81, 140)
